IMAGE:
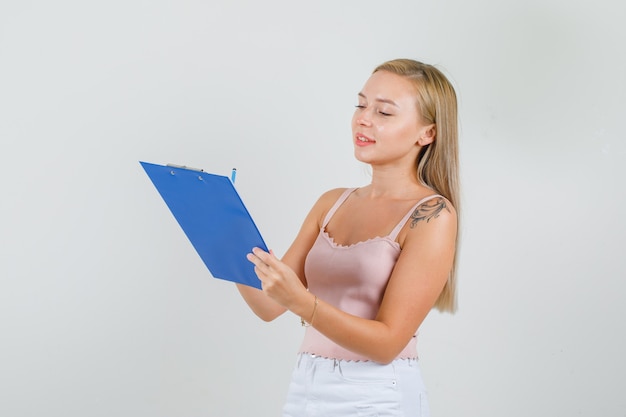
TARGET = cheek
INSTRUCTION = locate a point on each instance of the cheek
(409, 132)
(398, 136)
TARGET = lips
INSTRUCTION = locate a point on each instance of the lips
(362, 139)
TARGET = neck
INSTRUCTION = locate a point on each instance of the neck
(392, 182)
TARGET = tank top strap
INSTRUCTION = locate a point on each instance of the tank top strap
(335, 206)
(394, 233)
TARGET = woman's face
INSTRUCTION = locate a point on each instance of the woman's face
(386, 126)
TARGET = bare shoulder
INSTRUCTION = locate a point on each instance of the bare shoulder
(434, 220)
(330, 197)
(435, 210)
(325, 202)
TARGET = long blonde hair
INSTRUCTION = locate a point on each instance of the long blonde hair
(437, 163)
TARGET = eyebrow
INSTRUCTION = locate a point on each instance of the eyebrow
(381, 100)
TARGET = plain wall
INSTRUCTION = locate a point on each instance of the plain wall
(106, 310)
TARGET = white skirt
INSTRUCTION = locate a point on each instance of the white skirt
(338, 388)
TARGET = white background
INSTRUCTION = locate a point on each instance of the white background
(106, 310)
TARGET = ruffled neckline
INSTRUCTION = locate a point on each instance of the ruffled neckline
(332, 242)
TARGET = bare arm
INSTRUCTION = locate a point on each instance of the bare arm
(263, 306)
(417, 280)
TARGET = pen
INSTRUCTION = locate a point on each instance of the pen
(233, 175)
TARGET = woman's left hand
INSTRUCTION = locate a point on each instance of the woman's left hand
(278, 280)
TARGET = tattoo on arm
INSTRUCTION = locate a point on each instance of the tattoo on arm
(428, 210)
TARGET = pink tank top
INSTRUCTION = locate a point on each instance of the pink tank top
(352, 278)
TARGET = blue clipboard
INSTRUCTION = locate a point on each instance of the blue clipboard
(211, 213)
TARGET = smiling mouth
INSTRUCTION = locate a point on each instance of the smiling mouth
(362, 138)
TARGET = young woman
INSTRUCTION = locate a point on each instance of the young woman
(369, 263)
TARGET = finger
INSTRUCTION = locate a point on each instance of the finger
(256, 250)
(253, 258)
(258, 254)
(264, 257)
(260, 267)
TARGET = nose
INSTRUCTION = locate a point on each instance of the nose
(362, 118)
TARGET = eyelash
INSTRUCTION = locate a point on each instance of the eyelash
(359, 106)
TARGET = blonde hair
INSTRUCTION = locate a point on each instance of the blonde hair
(438, 162)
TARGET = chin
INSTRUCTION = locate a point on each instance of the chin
(364, 157)
(360, 158)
